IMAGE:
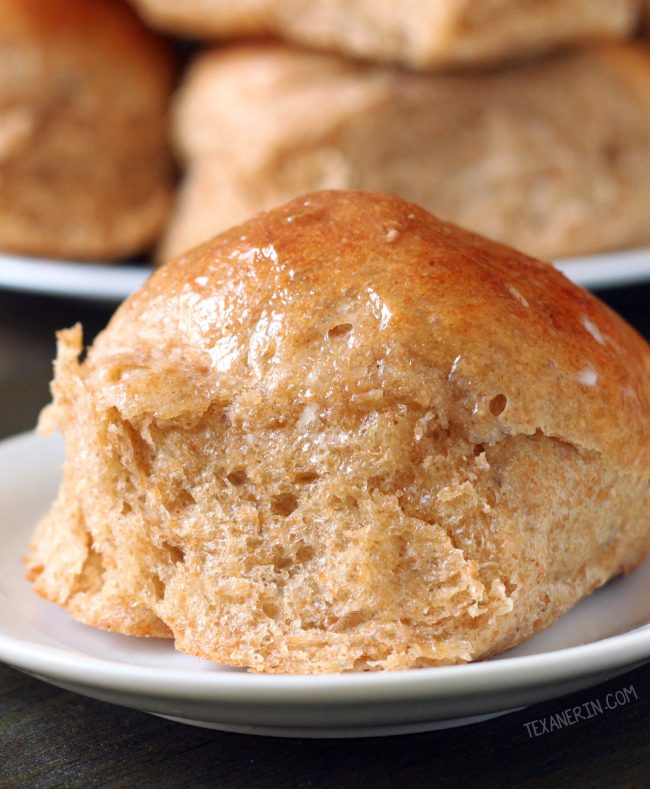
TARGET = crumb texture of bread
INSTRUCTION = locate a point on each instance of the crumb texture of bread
(504, 153)
(347, 436)
(421, 34)
(85, 171)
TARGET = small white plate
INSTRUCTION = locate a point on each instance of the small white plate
(603, 636)
(112, 282)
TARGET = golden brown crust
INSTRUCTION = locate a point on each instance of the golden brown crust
(84, 164)
(418, 33)
(348, 436)
(506, 154)
(570, 337)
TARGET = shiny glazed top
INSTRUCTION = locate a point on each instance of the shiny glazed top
(337, 294)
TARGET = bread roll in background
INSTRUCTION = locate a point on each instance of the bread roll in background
(347, 436)
(207, 19)
(418, 33)
(552, 156)
(84, 167)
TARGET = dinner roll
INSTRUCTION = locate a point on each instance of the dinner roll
(347, 436)
(84, 170)
(418, 33)
(552, 156)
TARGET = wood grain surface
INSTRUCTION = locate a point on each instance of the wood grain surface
(51, 737)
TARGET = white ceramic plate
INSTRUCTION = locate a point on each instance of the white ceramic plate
(113, 282)
(604, 635)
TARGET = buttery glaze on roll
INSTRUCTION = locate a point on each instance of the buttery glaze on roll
(347, 436)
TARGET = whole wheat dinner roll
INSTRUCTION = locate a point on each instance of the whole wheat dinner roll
(552, 157)
(347, 436)
(84, 170)
(418, 33)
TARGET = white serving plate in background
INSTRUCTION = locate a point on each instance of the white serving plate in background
(604, 635)
(113, 282)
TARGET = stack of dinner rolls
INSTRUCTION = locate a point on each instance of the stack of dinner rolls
(526, 121)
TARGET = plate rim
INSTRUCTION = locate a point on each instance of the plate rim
(443, 682)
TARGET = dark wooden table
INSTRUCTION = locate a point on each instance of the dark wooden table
(50, 737)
